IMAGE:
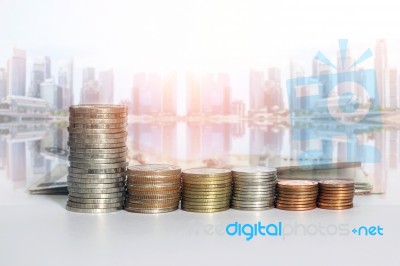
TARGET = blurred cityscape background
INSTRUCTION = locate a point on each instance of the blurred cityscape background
(216, 129)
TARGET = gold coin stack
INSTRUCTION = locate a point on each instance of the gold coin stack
(336, 194)
(254, 188)
(97, 158)
(206, 189)
(297, 195)
(153, 188)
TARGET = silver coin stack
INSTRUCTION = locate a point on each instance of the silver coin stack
(254, 188)
(97, 158)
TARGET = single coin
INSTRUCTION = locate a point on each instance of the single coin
(95, 180)
(97, 161)
(155, 197)
(344, 207)
(80, 120)
(296, 208)
(258, 170)
(77, 141)
(335, 204)
(97, 116)
(152, 202)
(206, 171)
(95, 190)
(96, 176)
(98, 136)
(134, 180)
(297, 184)
(97, 126)
(94, 206)
(96, 201)
(97, 195)
(208, 210)
(151, 206)
(158, 192)
(98, 151)
(336, 183)
(154, 185)
(72, 209)
(150, 211)
(96, 130)
(97, 156)
(154, 169)
(96, 171)
(94, 146)
(98, 108)
(334, 197)
(85, 185)
(290, 202)
(252, 208)
(98, 166)
(294, 205)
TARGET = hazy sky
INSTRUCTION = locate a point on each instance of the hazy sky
(201, 36)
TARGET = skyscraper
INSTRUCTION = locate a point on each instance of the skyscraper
(3, 83)
(257, 87)
(147, 94)
(382, 72)
(37, 77)
(273, 90)
(106, 86)
(48, 67)
(65, 81)
(90, 88)
(50, 92)
(17, 73)
(393, 88)
(193, 95)
(216, 94)
(170, 85)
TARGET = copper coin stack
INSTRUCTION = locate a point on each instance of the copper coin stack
(206, 189)
(336, 194)
(297, 195)
(254, 188)
(97, 158)
(153, 188)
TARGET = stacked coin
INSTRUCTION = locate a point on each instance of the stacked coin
(297, 195)
(206, 189)
(97, 144)
(254, 188)
(336, 194)
(153, 188)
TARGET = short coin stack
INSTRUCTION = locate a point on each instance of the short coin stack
(206, 189)
(254, 188)
(336, 194)
(297, 195)
(98, 151)
(153, 188)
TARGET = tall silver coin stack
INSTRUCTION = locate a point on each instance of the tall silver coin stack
(97, 158)
(254, 188)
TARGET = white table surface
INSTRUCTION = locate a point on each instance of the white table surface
(37, 230)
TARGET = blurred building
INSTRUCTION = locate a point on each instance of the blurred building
(273, 90)
(238, 108)
(65, 81)
(382, 72)
(393, 88)
(3, 84)
(256, 87)
(154, 94)
(37, 77)
(106, 87)
(52, 94)
(209, 94)
(17, 73)
(90, 88)
(48, 67)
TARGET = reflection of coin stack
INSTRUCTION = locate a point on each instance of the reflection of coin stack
(153, 188)
(336, 194)
(97, 172)
(297, 195)
(253, 188)
(206, 189)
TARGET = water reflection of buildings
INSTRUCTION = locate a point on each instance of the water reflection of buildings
(22, 153)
